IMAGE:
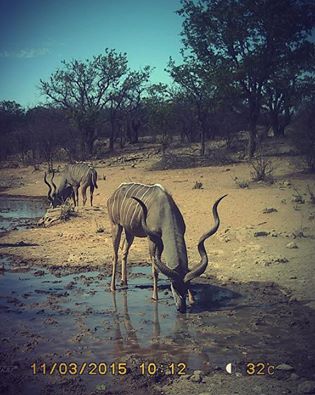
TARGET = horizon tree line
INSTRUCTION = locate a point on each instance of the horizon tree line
(245, 63)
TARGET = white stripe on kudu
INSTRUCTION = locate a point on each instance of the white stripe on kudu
(113, 206)
(131, 202)
(138, 208)
(123, 201)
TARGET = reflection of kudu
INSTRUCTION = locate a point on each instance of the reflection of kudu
(181, 338)
(72, 177)
(149, 211)
(131, 342)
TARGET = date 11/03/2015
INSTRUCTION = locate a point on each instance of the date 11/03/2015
(103, 368)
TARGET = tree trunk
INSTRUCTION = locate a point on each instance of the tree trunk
(252, 134)
(203, 130)
(112, 134)
(202, 142)
(90, 137)
(211, 133)
(111, 143)
(182, 135)
(82, 147)
(128, 130)
(254, 109)
(251, 147)
(121, 136)
(135, 132)
(281, 131)
(274, 120)
(278, 125)
(285, 121)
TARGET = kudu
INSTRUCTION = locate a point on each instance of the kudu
(71, 178)
(150, 211)
(63, 196)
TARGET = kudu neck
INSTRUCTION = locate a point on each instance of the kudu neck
(174, 253)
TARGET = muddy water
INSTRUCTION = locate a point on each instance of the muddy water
(16, 213)
(74, 318)
(63, 317)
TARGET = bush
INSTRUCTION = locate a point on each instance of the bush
(67, 211)
(241, 183)
(198, 185)
(262, 168)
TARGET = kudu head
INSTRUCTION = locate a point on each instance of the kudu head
(57, 198)
(180, 280)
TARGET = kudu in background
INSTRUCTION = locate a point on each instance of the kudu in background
(71, 178)
(63, 196)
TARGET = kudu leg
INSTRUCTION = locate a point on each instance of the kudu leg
(76, 194)
(91, 194)
(191, 298)
(128, 241)
(73, 198)
(84, 194)
(155, 273)
(116, 235)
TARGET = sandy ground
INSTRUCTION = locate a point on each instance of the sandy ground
(234, 252)
(251, 245)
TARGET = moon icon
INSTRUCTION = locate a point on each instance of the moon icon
(228, 368)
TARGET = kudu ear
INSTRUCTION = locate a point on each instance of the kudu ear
(199, 269)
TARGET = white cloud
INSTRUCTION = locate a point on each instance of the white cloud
(27, 53)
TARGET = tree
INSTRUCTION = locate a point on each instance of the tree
(12, 122)
(48, 131)
(303, 132)
(158, 107)
(134, 105)
(201, 91)
(279, 101)
(287, 87)
(183, 116)
(84, 88)
(125, 96)
(245, 41)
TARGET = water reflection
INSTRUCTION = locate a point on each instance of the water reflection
(17, 212)
(121, 318)
(74, 315)
(22, 208)
(162, 333)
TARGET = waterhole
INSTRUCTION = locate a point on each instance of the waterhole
(16, 213)
(62, 316)
(75, 318)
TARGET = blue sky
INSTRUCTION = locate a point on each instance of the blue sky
(36, 35)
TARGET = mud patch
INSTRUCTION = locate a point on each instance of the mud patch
(54, 321)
